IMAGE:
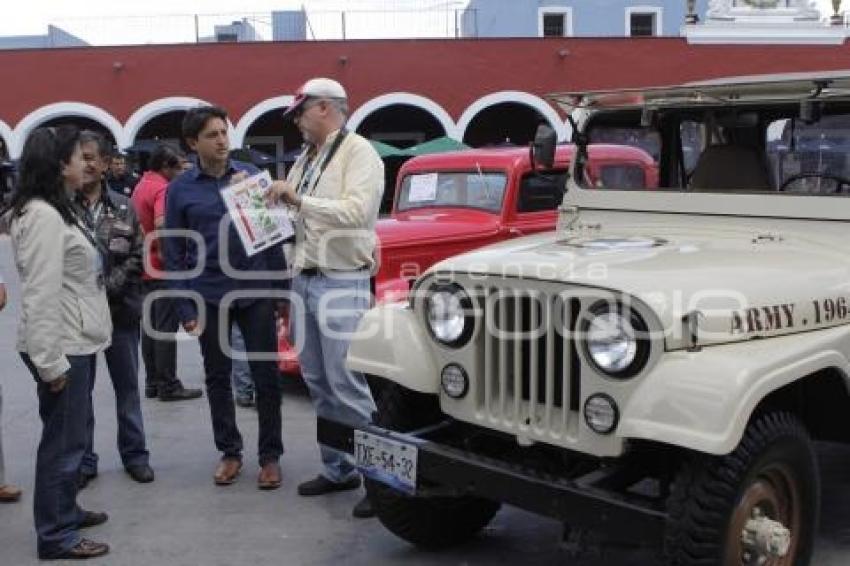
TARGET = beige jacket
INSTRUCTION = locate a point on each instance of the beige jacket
(335, 226)
(64, 311)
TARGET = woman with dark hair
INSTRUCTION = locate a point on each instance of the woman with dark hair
(64, 323)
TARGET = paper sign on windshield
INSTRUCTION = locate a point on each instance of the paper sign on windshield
(423, 188)
(259, 225)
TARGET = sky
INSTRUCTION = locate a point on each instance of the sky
(91, 17)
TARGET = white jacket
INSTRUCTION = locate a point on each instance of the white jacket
(64, 311)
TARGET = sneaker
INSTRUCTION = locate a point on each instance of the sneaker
(9, 494)
(179, 393)
(320, 485)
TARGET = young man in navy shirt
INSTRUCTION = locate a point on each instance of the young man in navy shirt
(194, 203)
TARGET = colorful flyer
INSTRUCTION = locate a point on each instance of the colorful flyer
(258, 224)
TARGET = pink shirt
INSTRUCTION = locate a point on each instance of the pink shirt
(149, 201)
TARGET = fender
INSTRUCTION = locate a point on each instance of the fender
(390, 343)
(703, 400)
(391, 290)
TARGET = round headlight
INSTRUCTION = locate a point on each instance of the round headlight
(601, 413)
(613, 340)
(454, 381)
(448, 314)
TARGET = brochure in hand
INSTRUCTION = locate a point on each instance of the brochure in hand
(258, 224)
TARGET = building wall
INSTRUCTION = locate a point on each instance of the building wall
(591, 18)
(452, 79)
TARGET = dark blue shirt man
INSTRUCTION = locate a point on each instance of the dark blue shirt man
(225, 274)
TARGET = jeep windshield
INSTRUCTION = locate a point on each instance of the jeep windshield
(483, 190)
(726, 144)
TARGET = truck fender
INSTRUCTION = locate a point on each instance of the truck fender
(390, 343)
(703, 400)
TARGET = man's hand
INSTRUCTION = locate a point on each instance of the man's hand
(58, 384)
(281, 191)
(191, 327)
(2, 295)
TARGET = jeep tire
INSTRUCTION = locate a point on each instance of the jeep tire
(427, 522)
(769, 483)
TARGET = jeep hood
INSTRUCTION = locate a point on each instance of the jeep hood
(739, 285)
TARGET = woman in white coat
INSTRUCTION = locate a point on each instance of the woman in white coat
(64, 323)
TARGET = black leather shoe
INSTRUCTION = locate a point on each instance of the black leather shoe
(92, 519)
(246, 401)
(142, 473)
(83, 550)
(320, 485)
(84, 478)
(179, 394)
(364, 509)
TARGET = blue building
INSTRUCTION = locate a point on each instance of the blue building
(578, 18)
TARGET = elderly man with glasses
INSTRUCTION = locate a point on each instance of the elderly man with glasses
(334, 190)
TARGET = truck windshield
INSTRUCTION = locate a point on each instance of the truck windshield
(742, 150)
(466, 189)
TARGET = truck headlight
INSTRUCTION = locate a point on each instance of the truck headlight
(448, 313)
(615, 340)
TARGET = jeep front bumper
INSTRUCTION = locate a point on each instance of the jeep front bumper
(582, 502)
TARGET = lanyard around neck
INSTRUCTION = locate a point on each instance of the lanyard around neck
(307, 176)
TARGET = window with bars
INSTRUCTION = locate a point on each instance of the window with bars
(554, 25)
(642, 24)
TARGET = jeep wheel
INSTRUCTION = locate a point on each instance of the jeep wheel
(757, 506)
(427, 522)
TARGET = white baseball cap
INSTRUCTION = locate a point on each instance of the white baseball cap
(316, 88)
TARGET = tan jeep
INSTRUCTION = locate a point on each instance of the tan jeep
(658, 367)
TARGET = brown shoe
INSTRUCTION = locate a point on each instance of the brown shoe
(9, 494)
(269, 477)
(83, 550)
(227, 471)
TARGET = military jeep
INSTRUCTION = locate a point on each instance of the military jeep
(656, 369)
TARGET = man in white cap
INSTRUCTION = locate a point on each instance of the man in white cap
(335, 187)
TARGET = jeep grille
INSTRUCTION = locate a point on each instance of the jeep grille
(531, 368)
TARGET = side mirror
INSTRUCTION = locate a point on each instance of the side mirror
(542, 151)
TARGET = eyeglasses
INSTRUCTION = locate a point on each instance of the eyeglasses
(304, 106)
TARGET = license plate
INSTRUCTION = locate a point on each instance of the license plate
(388, 461)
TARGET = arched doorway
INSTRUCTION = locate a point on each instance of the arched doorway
(272, 135)
(401, 125)
(506, 123)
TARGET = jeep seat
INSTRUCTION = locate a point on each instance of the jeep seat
(731, 167)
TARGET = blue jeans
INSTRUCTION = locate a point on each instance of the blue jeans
(122, 359)
(256, 321)
(336, 392)
(60, 452)
(241, 372)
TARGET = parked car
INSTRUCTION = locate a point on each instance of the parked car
(655, 370)
(449, 203)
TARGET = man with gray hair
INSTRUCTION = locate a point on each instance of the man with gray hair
(335, 189)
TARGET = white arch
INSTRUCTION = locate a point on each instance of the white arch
(390, 99)
(8, 135)
(158, 107)
(516, 97)
(58, 110)
(252, 115)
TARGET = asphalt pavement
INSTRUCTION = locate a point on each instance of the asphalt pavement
(184, 519)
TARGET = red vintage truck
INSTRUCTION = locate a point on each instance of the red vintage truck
(449, 203)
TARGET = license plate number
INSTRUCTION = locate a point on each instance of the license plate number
(388, 461)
